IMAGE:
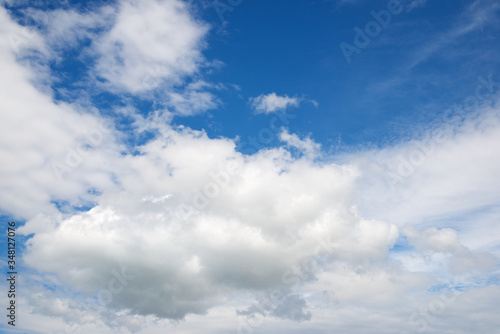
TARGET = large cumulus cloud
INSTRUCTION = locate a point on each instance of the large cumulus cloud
(271, 212)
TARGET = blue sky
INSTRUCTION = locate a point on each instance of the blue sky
(369, 100)
(424, 61)
(373, 98)
(239, 166)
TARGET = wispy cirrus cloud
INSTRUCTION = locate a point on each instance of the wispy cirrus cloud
(476, 16)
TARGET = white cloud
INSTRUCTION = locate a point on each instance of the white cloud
(271, 103)
(445, 172)
(131, 53)
(193, 99)
(67, 28)
(35, 132)
(151, 42)
(265, 219)
(307, 146)
(443, 240)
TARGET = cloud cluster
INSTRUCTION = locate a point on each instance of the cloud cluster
(274, 212)
(208, 234)
(149, 48)
(254, 235)
(35, 132)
